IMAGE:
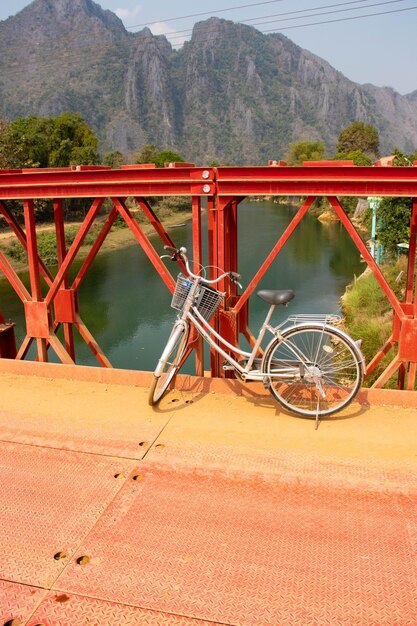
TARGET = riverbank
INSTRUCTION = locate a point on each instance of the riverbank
(119, 236)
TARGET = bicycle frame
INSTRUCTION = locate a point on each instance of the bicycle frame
(191, 314)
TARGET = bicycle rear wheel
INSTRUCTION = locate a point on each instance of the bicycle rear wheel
(169, 363)
(313, 370)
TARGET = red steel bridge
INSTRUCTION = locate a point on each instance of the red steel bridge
(52, 300)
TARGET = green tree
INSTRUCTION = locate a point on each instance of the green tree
(148, 154)
(394, 222)
(72, 142)
(6, 152)
(151, 154)
(167, 156)
(357, 156)
(114, 159)
(402, 159)
(25, 142)
(359, 136)
(43, 142)
(301, 151)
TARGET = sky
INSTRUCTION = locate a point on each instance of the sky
(369, 41)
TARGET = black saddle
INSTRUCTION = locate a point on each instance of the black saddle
(276, 296)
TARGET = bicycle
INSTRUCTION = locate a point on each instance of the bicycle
(311, 367)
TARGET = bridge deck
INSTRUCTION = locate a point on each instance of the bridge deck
(212, 509)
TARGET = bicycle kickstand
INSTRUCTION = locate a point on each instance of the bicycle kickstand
(317, 414)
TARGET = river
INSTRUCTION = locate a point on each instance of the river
(127, 307)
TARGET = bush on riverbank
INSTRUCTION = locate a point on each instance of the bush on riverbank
(368, 313)
(46, 242)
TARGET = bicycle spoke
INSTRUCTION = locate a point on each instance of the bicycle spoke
(327, 365)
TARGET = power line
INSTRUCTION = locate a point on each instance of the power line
(247, 21)
(178, 35)
(326, 6)
(184, 17)
(343, 19)
(287, 19)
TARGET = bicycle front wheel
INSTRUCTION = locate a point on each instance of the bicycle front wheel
(169, 363)
(313, 370)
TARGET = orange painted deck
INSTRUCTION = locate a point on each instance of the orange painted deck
(212, 509)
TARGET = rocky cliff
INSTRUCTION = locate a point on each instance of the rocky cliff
(231, 94)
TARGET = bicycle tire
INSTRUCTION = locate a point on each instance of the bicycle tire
(169, 363)
(328, 356)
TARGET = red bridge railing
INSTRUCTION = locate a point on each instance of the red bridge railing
(223, 188)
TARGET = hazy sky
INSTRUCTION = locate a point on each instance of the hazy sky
(378, 49)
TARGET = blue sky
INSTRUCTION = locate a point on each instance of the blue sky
(378, 49)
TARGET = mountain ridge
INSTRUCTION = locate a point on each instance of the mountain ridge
(230, 94)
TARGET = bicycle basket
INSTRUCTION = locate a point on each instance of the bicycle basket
(207, 301)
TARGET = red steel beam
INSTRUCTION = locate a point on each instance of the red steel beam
(14, 280)
(74, 248)
(21, 236)
(273, 254)
(87, 183)
(338, 209)
(327, 180)
(34, 273)
(95, 249)
(61, 254)
(144, 243)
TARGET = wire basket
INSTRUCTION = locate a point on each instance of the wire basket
(207, 299)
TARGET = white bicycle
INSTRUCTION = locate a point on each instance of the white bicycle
(310, 367)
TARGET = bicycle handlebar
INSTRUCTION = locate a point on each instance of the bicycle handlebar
(182, 253)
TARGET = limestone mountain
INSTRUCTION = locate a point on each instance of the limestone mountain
(231, 94)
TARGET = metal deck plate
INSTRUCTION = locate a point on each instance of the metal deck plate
(17, 602)
(233, 441)
(252, 551)
(74, 415)
(50, 500)
(61, 609)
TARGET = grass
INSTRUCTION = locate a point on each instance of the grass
(46, 242)
(368, 312)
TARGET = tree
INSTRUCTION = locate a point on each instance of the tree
(301, 151)
(359, 136)
(394, 222)
(357, 156)
(48, 142)
(44, 142)
(167, 156)
(394, 213)
(72, 142)
(25, 142)
(5, 159)
(148, 154)
(152, 154)
(402, 159)
(114, 159)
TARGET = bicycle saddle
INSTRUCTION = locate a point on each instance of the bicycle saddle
(276, 296)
